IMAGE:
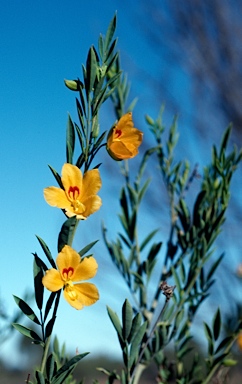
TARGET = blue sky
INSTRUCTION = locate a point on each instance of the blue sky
(44, 42)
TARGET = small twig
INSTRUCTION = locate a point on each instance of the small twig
(167, 290)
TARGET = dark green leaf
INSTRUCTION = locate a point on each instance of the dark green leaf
(225, 140)
(101, 46)
(49, 327)
(46, 251)
(57, 176)
(91, 67)
(28, 333)
(196, 208)
(39, 377)
(115, 320)
(147, 239)
(214, 267)
(67, 368)
(216, 325)
(38, 276)
(25, 308)
(49, 304)
(135, 346)
(66, 233)
(87, 248)
(208, 331)
(224, 343)
(51, 367)
(219, 359)
(127, 314)
(135, 327)
(70, 141)
(109, 35)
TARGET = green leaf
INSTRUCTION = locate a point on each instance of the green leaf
(196, 208)
(109, 35)
(127, 314)
(49, 304)
(216, 325)
(28, 333)
(116, 323)
(224, 343)
(51, 367)
(46, 251)
(67, 368)
(66, 233)
(91, 68)
(135, 327)
(57, 176)
(225, 140)
(49, 327)
(208, 331)
(147, 239)
(38, 276)
(214, 267)
(135, 346)
(101, 46)
(87, 248)
(70, 140)
(40, 377)
(25, 308)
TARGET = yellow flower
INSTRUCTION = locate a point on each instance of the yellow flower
(78, 198)
(71, 269)
(123, 139)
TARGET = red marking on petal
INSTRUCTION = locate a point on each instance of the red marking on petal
(118, 133)
(67, 272)
(73, 192)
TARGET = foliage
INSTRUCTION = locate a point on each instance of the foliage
(162, 314)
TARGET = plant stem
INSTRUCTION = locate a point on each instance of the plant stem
(140, 367)
(45, 354)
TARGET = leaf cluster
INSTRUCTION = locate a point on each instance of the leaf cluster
(187, 260)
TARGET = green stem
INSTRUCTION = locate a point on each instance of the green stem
(140, 367)
(45, 354)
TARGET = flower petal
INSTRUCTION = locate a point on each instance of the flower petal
(119, 151)
(91, 184)
(86, 269)
(52, 280)
(133, 136)
(66, 259)
(92, 204)
(56, 197)
(81, 294)
(125, 121)
(71, 176)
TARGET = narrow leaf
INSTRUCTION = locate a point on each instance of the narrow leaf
(25, 308)
(115, 320)
(127, 314)
(46, 251)
(66, 232)
(28, 333)
(70, 140)
(216, 325)
(87, 248)
(38, 286)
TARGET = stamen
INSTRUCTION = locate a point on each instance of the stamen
(73, 192)
(67, 273)
(118, 133)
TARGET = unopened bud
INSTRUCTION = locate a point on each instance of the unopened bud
(73, 85)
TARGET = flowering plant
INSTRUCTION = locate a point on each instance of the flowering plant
(153, 323)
